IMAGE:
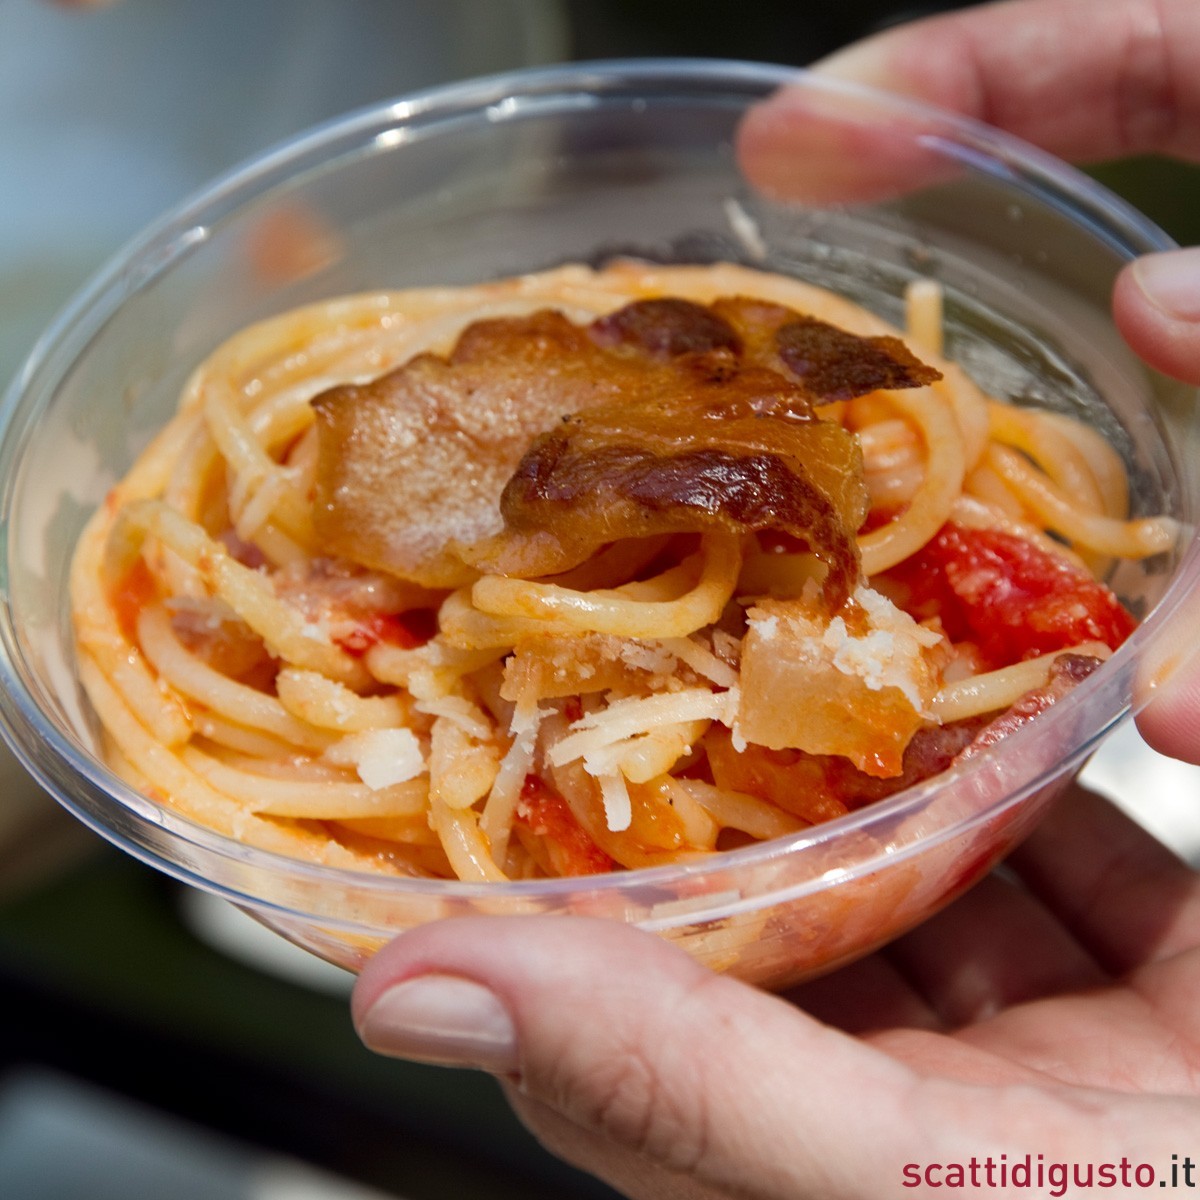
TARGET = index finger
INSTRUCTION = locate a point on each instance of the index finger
(1084, 79)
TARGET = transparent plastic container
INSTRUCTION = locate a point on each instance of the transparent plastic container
(521, 172)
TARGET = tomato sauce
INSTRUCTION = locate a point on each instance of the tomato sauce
(1009, 597)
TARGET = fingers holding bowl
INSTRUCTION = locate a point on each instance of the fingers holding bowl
(653, 1061)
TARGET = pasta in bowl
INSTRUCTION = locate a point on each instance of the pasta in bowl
(696, 595)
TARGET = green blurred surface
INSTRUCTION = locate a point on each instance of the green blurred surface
(1166, 190)
(105, 942)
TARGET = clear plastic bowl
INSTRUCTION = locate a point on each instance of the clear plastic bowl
(521, 172)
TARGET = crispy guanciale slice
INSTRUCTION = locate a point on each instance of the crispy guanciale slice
(703, 419)
(416, 459)
(735, 453)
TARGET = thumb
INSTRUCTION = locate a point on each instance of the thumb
(638, 1064)
(1156, 304)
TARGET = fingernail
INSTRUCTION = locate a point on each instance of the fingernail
(442, 1019)
(866, 62)
(1171, 282)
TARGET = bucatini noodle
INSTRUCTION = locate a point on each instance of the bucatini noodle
(586, 570)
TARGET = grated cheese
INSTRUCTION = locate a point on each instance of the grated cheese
(381, 757)
(702, 660)
(459, 710)
(625, 718)
(618, 810)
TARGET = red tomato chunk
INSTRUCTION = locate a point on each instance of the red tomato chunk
(1009, 597)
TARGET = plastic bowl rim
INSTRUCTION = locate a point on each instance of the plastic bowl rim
(182, 228)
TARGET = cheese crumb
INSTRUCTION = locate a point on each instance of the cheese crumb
(381, 757)
(857, 685)
(618, 809)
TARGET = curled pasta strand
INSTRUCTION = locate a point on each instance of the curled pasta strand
(461, 769)
(1000, 689)
(986, 487)
(464, 844)
(100, 636)
(312, 698)
(286, 632)
(161, 770)
(262, 794)
(975, 514)
(1057, 455)
(158, 764)
(739, 810)
(252, 469)
(889, 445)
(229, 735)
(930, 506)
(970, 407)
(1126, 539)
(1107, 466)
(433, 670)
(894, 490)
(608, 612)
(195, 679)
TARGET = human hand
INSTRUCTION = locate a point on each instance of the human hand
(1050, 1012)
(1086, 80)
(1053, 1016)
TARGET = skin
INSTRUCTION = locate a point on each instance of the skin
(1051, 1010)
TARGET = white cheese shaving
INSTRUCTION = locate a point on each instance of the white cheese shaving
(505, 793)
(457, 709)
(526, 718)
(622, 719)
(702, 660)
(381, 757)
(648, 656)
(618, 810)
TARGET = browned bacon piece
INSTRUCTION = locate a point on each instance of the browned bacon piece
(666, 328)
(416, 460)
(664, 416)
(837, 365)
(735, 454)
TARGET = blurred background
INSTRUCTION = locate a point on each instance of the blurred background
(158, 1043)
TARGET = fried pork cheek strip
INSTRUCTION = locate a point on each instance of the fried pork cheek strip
(585, 570)
(671, 417)
(724, 436)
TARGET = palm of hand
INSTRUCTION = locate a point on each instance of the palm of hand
(1067, 981)
(1082, 971)
(1050, 1011)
